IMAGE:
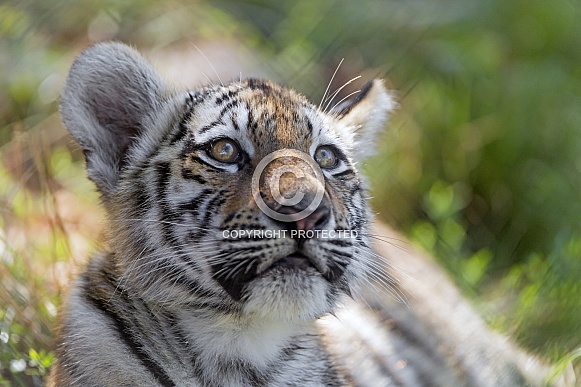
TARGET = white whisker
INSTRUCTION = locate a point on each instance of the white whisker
(329, 85)
(210, 63)
(332, 96)
(343, 99)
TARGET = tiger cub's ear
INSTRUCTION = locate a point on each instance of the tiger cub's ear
(110, 93)
(362, 118)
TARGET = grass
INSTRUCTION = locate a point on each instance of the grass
(49, 216)
(480, 166)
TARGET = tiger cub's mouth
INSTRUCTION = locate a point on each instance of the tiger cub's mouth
(295, 260)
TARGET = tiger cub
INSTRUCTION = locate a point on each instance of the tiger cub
(236, 219)
(238, 233)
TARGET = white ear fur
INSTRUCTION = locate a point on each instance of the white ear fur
(109, 94)
(361, 119)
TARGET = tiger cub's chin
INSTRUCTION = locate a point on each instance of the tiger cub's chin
(288, 294)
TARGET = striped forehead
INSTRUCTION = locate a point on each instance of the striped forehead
(259, 115)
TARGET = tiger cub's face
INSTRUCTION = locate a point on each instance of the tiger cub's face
(243, 197)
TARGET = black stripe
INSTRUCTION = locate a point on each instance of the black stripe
(183, 126)
(168, 216)
(339, 253)
(353, 190)
(211, 125)
(344, 173)
(177, 330)
(230, 217)
(221, 306)
(252, 125)
(176, 334)
(335, 272)
(178, 277)
(332, 378)
(194, 354)
(257, 378)
(126, 334)
(190, 175)
(218, 199)
(192, 206)
(168, 337)
(221, 99)
(211, 206)
(258, 84)
(191, 101)
(141, 203)
(309, 124)
(415, 339)
(343, 285)
(268, 121)
(234, 123)
(333, 292)
(229, 105)
(289, 353)
(175, 276)
(164, 173)
(339, 242)
(226, 96)
(191, 147)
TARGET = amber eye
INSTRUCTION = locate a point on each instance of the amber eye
(224, 150)
(325, 156)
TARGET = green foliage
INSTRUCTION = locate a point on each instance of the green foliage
(481, 166)
(34, 244)
(26, 305)
(546, 297)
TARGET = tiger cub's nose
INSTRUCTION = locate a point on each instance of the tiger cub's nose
(313, 221)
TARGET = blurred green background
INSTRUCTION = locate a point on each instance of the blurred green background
(481, 165)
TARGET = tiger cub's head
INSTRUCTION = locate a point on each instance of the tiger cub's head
(242, 198)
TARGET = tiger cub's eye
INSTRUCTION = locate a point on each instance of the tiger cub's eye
(225, 150)
(325, 156)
